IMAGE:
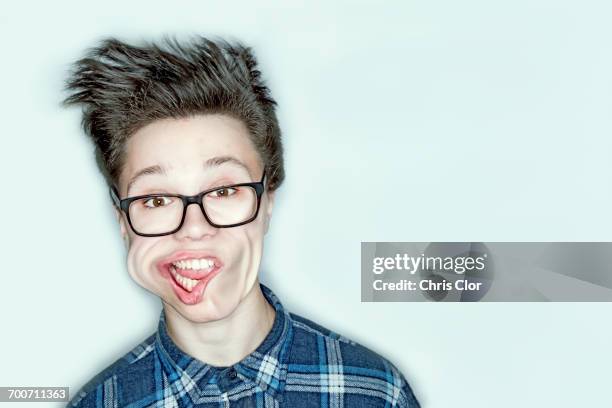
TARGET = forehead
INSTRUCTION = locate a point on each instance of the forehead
(195, 144)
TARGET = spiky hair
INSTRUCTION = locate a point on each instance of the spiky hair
(123, 87)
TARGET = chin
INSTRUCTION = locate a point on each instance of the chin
(205, 311)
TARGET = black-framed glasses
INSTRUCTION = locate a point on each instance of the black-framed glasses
(154, 215)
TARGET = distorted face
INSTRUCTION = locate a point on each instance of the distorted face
(202, 271)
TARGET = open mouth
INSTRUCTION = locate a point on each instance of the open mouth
(188, 273)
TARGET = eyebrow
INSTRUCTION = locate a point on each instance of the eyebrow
(212, 162)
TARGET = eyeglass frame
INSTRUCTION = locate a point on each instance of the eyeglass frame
(124, 204)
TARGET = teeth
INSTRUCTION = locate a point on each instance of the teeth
(185, 282)
(195, 264)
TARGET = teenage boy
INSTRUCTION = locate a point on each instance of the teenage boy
(176, 124)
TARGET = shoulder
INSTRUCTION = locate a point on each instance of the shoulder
(133, 365)
(360, 370)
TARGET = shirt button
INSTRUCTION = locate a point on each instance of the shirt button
(232, 374)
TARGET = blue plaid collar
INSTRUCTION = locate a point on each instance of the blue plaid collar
(266, 366)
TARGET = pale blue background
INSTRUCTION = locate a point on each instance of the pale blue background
(409, 121)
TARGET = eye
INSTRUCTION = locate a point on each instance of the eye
(156, 202)
(224, 192)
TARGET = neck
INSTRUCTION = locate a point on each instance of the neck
(227, 341)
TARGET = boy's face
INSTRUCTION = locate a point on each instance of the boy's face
(182, 148)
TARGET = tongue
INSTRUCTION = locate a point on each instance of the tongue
(195, 274)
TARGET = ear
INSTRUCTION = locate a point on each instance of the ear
(122, 225)
(270, 196)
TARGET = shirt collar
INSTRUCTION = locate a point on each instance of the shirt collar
(266, 366)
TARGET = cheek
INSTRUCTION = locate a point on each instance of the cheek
(252, 244)
(252, 234)
(137, 262)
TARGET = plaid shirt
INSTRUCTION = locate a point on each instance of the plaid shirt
(298, 364)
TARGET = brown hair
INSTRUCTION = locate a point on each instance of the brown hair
(124, 87)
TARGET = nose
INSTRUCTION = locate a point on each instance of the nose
(195, 226)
